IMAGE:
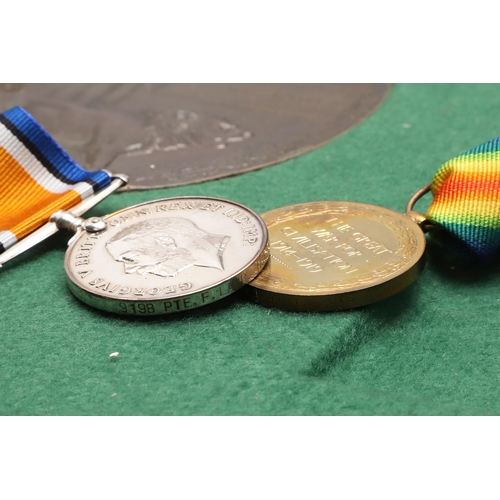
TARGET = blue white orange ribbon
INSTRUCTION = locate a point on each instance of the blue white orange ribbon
(37, 177)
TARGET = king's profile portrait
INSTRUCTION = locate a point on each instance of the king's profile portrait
(166, 246)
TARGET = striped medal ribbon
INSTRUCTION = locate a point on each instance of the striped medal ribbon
(37, 177)
(466, 206)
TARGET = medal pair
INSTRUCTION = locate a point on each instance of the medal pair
(176, 254)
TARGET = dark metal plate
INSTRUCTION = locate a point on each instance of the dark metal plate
(173, 134)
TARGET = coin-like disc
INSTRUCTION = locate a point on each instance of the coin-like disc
(172, 134)
(167, 255)
(326, 256)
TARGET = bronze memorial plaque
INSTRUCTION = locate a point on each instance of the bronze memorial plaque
(172, 134)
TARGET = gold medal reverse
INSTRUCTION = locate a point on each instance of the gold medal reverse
(332, 255)
(166, 256)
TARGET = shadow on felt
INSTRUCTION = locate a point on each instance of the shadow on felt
(454, 269)
(381, 318)
(374, 321)
(57, 242)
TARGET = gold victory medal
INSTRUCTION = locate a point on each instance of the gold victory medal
(332, 255)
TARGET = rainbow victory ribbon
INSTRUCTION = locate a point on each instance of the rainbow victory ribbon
(37, 177)
(466, 205)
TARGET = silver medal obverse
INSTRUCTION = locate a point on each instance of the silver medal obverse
(166, 256)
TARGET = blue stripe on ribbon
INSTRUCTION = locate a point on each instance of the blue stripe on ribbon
(487, 147)
(471, 242)
(48, 152)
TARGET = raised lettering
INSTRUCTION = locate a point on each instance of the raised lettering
(289, 231)
(344, 228)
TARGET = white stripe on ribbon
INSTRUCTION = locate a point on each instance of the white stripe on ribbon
(35, 169)
(7, 239)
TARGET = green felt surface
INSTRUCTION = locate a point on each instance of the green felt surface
(432, 349)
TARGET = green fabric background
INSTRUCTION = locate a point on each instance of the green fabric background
(432, 349)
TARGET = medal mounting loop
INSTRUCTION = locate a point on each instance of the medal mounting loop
(69, 219)
(66, 220)
(419, 218)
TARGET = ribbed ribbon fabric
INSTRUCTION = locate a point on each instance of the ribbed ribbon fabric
(466, 205)
(37, 177)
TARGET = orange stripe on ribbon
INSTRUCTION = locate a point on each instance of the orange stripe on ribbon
(25, 204)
